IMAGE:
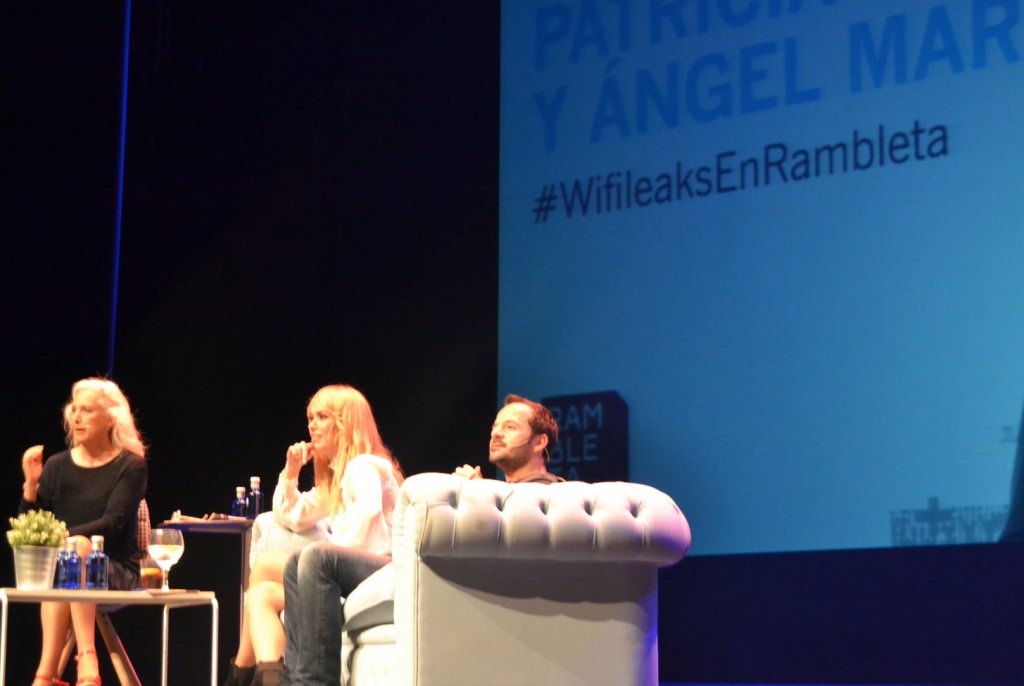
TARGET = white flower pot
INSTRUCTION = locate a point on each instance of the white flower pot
(34, 566)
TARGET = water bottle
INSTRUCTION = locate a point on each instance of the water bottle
(255, 497)
(69, 567)
(240, 505)
(96, 566)
(62, 560)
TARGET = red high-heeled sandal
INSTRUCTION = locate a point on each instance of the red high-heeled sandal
(92, 679)
(49, 680)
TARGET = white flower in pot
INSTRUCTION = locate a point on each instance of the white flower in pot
(36, 537)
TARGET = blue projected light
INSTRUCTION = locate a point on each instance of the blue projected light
(119, 209)
(789, 235)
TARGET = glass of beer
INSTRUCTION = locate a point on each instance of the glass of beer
(150, 573)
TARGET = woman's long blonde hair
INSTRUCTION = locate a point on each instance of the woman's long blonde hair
(123, 435)
(357, 433)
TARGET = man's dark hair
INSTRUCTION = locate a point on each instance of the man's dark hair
(542, 421)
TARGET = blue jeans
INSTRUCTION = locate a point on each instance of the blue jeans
(316, 581)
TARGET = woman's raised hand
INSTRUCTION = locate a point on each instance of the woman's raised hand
(31, 467)
(298, 454)
(32, 464)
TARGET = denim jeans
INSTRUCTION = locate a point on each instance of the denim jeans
(316, 581)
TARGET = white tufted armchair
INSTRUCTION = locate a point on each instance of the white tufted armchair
(527, 584)
(495, 583)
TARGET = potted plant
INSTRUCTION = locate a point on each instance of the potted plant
(36, 537)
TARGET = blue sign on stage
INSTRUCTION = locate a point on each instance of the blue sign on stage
(593, 442)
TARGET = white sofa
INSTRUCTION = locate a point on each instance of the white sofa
(494, 583)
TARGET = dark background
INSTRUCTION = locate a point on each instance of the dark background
(310, 197)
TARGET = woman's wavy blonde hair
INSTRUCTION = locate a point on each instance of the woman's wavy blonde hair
(357, 433)
(123, 434)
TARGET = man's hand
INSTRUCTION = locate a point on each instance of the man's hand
(468, 472)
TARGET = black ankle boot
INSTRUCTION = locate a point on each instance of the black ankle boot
(239, 676)
(268, 673)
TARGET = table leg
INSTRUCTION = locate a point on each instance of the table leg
(3, 642)
(163, 651)
(214, 637)
(246, 544)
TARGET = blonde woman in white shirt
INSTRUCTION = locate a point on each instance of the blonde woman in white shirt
(356, 484)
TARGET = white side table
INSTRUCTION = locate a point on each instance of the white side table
(168, 600)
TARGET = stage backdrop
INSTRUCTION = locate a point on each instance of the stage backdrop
(789, 235)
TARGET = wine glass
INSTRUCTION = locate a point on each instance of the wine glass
(166, 547)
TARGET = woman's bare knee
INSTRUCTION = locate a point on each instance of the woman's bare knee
(268, 566)
(265, 594)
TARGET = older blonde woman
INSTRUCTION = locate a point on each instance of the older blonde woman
(94, 486)
(356, 483)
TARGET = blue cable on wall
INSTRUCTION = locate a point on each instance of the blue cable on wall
(119, 208)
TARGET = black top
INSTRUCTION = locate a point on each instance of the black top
(96, 501)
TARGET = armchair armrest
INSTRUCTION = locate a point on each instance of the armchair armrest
(267, 534)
